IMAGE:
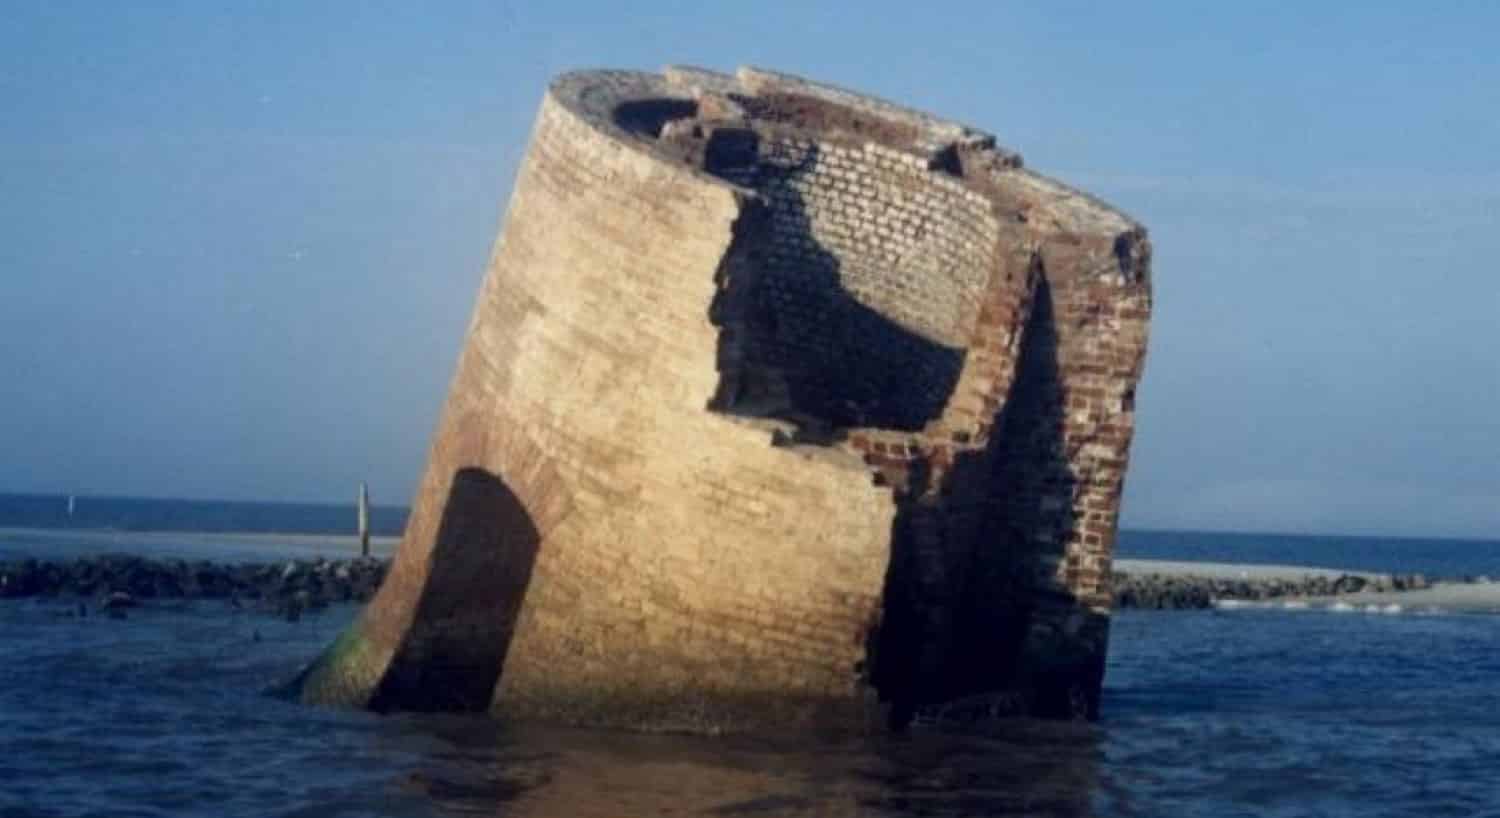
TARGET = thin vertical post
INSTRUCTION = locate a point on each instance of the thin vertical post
(364, 520)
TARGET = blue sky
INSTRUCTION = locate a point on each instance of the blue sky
(239, 242)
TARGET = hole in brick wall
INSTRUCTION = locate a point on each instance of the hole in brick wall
(647, 117)
(1130, 248)
(731, 151)
(947, 161)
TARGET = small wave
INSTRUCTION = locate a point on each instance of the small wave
(1340, 607)
(1239, 604)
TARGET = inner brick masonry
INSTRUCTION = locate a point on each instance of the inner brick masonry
(779, 405)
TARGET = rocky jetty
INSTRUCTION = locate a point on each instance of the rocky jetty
(1180, 591)
(117, 582)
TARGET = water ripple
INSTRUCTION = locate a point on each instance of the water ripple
(1265, 713)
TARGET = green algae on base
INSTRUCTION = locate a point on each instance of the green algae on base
(346, 674)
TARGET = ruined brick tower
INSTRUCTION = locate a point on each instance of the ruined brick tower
(779, 405)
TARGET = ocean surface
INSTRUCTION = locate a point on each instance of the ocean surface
(1254, 712)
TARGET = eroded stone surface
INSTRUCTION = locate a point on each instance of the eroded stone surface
(779, 404)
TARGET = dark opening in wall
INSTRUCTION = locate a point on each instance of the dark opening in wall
(794, 342)
(452, 655)
(647, 117)
(947, 161)
(731, 151)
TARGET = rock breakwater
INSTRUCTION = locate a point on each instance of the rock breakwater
(1180, 591)
(119, 581)
(289, 588)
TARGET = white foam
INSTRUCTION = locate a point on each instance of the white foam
(1238, 604)
(1338, 607)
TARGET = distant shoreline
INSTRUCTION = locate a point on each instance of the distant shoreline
(156, 515)
(1231, 570)
(214, 546)
(246, 536)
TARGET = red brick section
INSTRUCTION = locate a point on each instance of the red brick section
(592, 543)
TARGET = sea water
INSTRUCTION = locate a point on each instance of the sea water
(1255, 712)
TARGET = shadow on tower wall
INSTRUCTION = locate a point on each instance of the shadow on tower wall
(976, 623)
(793, 342)
(481, 565)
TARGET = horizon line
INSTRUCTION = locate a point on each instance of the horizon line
(406, 508)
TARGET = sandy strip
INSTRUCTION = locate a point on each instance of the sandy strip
(1231, 570)
(66, 543)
